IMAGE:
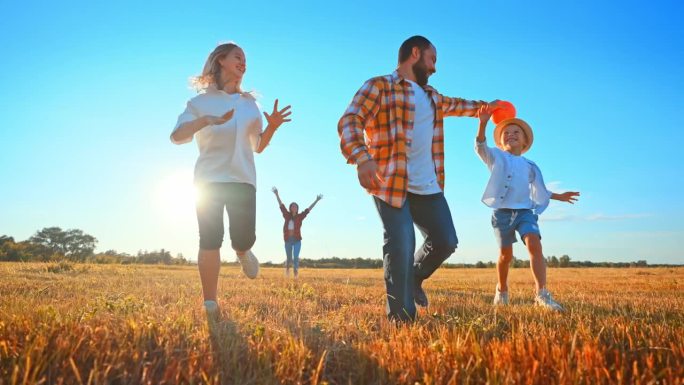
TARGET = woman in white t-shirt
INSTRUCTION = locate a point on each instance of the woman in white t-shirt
(227, 125)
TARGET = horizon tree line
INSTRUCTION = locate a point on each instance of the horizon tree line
(52, 244)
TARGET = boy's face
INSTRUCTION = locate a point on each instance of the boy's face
(513, 138)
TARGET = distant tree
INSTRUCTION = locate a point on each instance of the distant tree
(156, 257)
(480, 265)
(552, 261)
(344, 263)
(10, 251)
(639, 263)
(517, 263)
(53, 238)
(79, 245)
(4, 239)
(73, 244)
(564, 261)
(112, 256)
(180, 259)
(22, 251)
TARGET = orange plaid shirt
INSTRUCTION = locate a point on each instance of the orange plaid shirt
(378, 122)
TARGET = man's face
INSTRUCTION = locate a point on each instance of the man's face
(425, 66)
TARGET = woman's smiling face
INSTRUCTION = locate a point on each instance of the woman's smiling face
(234, 63)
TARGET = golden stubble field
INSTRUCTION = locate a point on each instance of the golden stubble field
(105, 324)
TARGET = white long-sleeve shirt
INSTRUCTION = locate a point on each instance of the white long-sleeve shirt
(512, 185)
(226, 151)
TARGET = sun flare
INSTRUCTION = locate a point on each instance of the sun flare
(176, 194)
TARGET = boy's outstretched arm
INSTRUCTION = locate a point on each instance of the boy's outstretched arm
(481, 149)
(484, 113)
(568, 196)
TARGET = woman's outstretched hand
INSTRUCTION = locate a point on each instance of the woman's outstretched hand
(319, 197)
(218, 120)
(275, 190)
(278, 117)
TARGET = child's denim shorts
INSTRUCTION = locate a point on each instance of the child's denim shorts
(507, 221)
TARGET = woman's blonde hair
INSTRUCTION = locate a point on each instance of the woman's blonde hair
(211, 74)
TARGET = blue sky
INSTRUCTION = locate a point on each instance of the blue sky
(90, 93)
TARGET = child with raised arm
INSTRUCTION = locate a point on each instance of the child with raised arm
(517, 193)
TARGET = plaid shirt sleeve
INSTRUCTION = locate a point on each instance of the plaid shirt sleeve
(459, 107)
(363, 107)
(283, 210)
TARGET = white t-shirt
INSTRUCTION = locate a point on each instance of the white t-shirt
(290, 225)
(422, 178)
(226, 151)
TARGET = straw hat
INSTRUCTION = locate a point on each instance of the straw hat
(518, 122)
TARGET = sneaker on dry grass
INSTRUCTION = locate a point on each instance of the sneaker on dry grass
(211, 306)
(500, 297)
(419, 295)
(212, 309)
(544, 299)
(250, 265)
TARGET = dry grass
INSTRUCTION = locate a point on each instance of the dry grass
(139, 324)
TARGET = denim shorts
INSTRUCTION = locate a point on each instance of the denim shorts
(507, 221)
(239, 201)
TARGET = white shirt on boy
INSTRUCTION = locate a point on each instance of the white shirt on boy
(515, 181)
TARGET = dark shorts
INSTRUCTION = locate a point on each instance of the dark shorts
(239, 201)
(507, 221)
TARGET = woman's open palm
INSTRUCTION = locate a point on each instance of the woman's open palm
(278, 117)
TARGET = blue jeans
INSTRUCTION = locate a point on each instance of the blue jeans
(292, 247)
(403, 268)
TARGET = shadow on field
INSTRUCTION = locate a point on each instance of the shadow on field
(236, 363)
(337, 361)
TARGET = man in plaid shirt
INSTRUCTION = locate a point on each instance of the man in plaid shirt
(393, 131)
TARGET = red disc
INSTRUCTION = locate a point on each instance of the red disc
(504, 111)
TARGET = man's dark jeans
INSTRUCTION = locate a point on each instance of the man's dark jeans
(431, 215)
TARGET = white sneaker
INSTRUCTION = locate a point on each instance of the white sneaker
(544, 299)
(500, 297)
(250, 265)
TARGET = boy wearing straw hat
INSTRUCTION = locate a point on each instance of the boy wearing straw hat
(517, 193)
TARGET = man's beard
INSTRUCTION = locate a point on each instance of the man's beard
(421, 72)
